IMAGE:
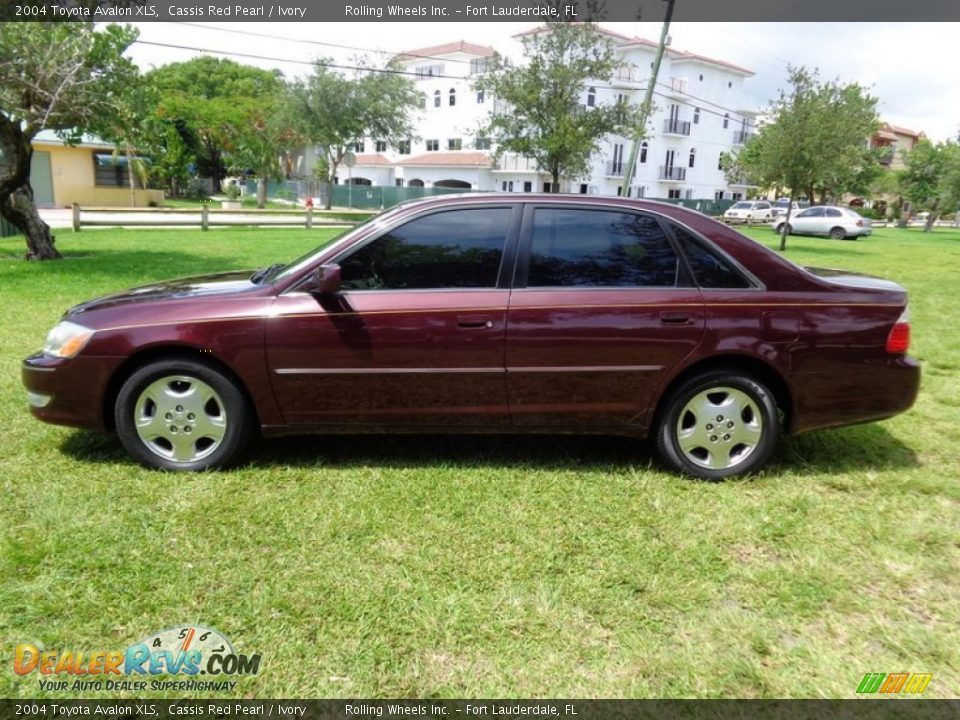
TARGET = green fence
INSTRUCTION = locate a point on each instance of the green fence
(706, 206)
(375, 196)
(7, 229)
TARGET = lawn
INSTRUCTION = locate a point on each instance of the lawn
(491, 566)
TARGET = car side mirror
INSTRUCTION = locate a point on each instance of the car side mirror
(326, 280)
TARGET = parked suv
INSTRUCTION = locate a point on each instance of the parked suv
(749, 211)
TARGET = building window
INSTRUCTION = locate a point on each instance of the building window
(436, 98)
(527, 186)
(621, 99)
(642, 191)
(548, 187)
(673, 193)
(720, 162)
(688, 194)
(398, 182)
(718, 195)
(454, 144)
(730, 84)
(726, 120)
(701, 77)
(358, 147)
(479, 65)
(403, 147)
(584, 188)
(381, 146)
(481, 143)
(591, 97)
(480, 97)
(110, 170)
(453, 97)
(736, 196)
(643, 152)
(619, 190)
(508, 186)
(433, 145)
(423, 101)
(428, 71)
(693, 157)
(696, 116)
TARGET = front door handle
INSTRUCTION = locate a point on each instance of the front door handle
(675, 318)
(474, 322)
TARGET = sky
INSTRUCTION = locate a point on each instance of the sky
(913, 68)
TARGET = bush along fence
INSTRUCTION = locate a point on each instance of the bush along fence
(205, 217)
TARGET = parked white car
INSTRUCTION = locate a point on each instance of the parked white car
(780, 207)
(836, 222)
(749, 211)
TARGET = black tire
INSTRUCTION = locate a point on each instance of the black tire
(838, 233)
(758, 417)
(226, 412)
(780, 229)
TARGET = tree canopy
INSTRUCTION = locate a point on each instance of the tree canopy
(53, 76)
(333, 111)
(930, 178)
(540, 113)
(815, 142)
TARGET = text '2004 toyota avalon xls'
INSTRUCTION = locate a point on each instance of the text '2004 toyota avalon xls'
(491, 313)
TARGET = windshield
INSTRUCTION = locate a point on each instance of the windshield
(294, 266)
(742, 206)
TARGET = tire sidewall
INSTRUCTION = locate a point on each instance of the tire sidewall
(667, 443)
(235, 406)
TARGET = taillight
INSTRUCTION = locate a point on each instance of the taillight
(898, 341)
(859, 223)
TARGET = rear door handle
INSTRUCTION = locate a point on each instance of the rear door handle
(675, 318)
(474, 322)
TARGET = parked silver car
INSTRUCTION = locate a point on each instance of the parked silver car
(748, 211)
(836, 222)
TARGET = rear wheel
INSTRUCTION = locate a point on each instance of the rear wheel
(180, 414)
(717, 425)
(838, 233)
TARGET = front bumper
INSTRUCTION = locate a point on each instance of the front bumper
(69, 392)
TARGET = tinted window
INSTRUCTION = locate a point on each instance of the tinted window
(833, 213)
(709, 267)
(599, 248)
(457, 249)
(812, 212)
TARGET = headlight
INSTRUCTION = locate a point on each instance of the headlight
(67, 339)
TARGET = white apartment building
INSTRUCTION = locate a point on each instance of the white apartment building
(700, 112)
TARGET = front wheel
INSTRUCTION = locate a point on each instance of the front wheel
(179, 414)
(717, 425)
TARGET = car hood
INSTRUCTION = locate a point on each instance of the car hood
(851, 279)
(225, 283)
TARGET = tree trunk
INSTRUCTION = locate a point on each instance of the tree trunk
(16, 195)
(262, 192)
(931, 219)
(20, 210)
(328, 201)
(786, 223)
(555, 187)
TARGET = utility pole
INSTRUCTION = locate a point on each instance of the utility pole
(641, 130)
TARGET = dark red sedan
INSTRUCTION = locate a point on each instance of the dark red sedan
(491, 313)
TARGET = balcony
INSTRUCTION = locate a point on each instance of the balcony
(677, 87)
(628, 73)
(615, 168)
(511, 162)
(740, 137)
(669, 172)
(676, 127)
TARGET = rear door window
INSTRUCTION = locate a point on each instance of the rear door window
(599, 248)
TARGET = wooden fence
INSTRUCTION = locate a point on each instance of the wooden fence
(206, 218)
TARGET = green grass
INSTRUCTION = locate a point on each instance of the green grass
(489, 566)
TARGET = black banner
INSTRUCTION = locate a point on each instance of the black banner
(494, 709)
(859, 11)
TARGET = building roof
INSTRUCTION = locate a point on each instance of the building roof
(372, 159)
(900, 130)
(50, 137)
(609, 33)
(448, 159)
(431, 52)
(686, 56)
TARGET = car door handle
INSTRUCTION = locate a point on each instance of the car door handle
(675, 318)
(474, 322)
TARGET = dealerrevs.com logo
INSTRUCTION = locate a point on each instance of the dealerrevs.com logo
(187, 650)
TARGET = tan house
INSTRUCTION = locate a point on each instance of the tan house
(88, 173)
(896, 140)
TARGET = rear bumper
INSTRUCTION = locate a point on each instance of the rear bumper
(68, 392)
(875, 391)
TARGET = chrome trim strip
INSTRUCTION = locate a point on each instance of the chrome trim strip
(466, 370)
